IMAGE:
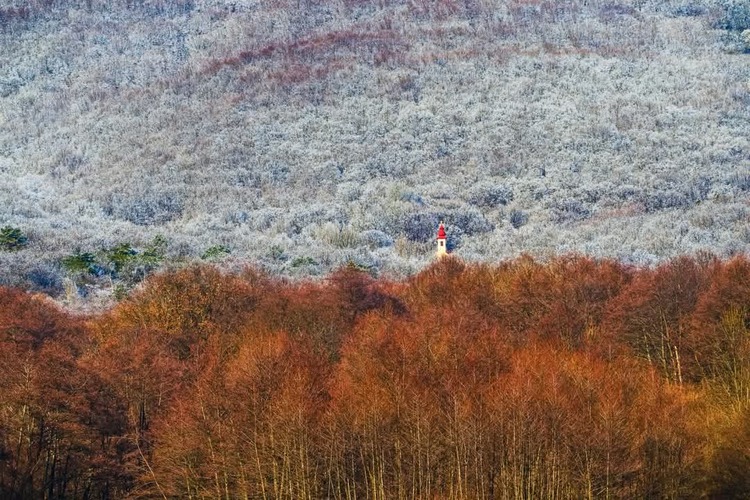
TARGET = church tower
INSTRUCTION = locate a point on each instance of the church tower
(442, 247)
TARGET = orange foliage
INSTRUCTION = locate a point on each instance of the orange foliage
(57, 418)
(572, 378)
(652, 315)
(721, 329)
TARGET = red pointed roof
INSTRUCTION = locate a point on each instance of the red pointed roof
(441, 232)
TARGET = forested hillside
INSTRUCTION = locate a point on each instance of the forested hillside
(569, 379)
(301, 135)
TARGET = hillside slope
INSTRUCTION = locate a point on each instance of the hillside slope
(305, 134)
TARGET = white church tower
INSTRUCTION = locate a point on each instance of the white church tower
(442, 247)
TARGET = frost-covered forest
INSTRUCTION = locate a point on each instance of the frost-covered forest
(301, 135)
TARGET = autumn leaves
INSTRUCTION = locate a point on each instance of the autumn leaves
(572, 378)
